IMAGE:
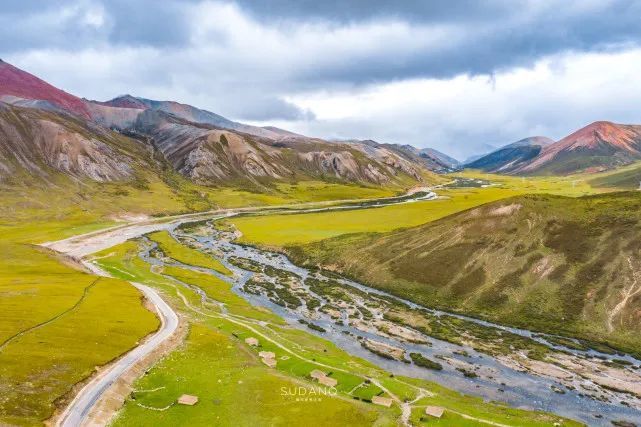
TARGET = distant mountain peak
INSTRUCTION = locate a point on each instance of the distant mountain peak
(512, 156)
(602, 133)
(126, 101)
(530, 140)
(598, 146)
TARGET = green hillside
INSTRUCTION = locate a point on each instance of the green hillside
(551, 263)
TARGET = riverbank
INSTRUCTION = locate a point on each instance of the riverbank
(523, 370)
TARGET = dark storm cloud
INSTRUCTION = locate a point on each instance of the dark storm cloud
(148, 22)
(259, 60)
(420, 11)
(68, 24)
(485, 37)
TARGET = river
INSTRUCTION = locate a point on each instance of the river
(495, 380)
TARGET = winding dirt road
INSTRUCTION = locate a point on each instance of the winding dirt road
(86, 244)
(78, 410)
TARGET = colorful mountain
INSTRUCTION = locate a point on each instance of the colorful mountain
(16, 85)
(46, 134)
(599, 146)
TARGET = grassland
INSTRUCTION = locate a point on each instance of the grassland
(300, 192)
(626, 178)
(570, 185)
(36, 287)
(417, 251)
(220, 291)
(43, 352)
(235, 388)
(290, 229)
(43, 300)
(287, 229)
(185, 255)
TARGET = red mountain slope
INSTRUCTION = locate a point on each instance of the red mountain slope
(18, 83)
(600, 145)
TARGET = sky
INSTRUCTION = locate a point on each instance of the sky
(461, 76)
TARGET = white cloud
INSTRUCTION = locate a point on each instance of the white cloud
(460, 115)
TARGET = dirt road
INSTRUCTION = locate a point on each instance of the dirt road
(76, 413)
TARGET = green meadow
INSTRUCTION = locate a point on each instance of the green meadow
(290, 229)
(182, 254)
(227, 375)
(43, 351)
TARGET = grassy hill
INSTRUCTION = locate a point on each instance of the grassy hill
(552, 263)
(627, 177)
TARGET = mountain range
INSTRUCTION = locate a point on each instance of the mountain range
(45, 132)
(597, 147)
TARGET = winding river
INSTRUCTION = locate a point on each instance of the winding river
(495, 381)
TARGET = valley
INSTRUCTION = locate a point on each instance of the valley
(203, 292)
(164, 265)
(518, 367)
(510, 365)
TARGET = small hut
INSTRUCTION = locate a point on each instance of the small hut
(267, 354)
(327, 381)
(269, 361)
(251, 341)
(434, 411)
(317, 373)
(187, 399)
(383, 401)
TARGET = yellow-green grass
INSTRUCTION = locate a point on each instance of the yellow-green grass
(122, 261)
(300, 192)
(21, 273)
(42, 364)
(625, 177)
(42, 306)
(226, 374)
(36, 287)
(319, 191)
(34, 283)
(181, 253)
(476, 410)
(291, 229)
(288, 229)
(61, 336)
(620, 178)
(44, 350)
(570, 185)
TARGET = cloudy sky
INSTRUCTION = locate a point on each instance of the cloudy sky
(456, 75)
